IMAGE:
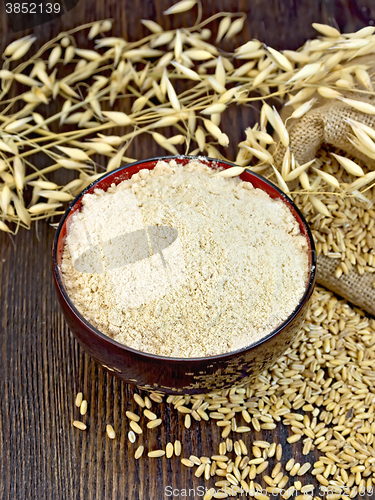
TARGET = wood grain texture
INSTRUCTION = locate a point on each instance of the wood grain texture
(42, 456)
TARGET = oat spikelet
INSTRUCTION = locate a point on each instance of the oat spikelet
(69, 54)
(344, 83)
(163, 141)
(261, 155)
(189, 73)
(200, 137)
(214, 108)
(361, 182)
(12, 47)
(303, 109)
(22, 213)
(329, 93)
(301, 96)
(73, 186)
(235, 28)
(268, 116)
(244, 69)
(139, 103)
(43, 184)
(5, 147)
(106, 26)
(362, 33)
(280, 59)
(5, 196)
(178, 45)
(319, 206)
(306, 72)
(282, 184)
(54, 56)
(115, 162)
(247, 49)
(90, 55)
(26, 80)
(281, 129)
(65, 110)
(39, 120)
(223, 28)
(216, 85)
(102, 148)
(94, 31)
(364, 107)
(230, 172)
(198, 55)
(23, 48)
(350, 166)
(192, 122)
(362, 126)
(5, 74)
(333, 60)
(213, 152)
(326, 30)
(304, 181)
(172, 96)
(4, 227)
(179, 7)
(364, 78)
(263, 75)
(17, 125)
(285, 168)
(68, 90)
(228, 95)
(220, 73)
(298, 171)
(118, 117)
(74, 153)
(19, 172)
(215, 131)
(162, 39)
(330, 179)
(56, 195)
(167, 121)
(152, 26)
(177, 139)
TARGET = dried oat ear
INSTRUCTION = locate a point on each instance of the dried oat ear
(331, 117)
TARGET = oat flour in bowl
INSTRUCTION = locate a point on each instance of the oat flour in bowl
(179, 262)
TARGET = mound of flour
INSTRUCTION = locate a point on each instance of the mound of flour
(236, 270)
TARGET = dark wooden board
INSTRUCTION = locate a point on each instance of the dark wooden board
(42, 367)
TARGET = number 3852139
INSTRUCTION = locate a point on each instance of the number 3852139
(32, 8)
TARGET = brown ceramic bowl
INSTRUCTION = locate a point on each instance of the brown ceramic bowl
(181, 375)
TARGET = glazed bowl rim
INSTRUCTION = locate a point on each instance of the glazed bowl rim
(217, 357)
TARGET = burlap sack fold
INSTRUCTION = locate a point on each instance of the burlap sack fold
(327, 123)
(355, 288)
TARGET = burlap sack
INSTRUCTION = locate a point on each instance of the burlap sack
(327, 123)
(355, 288)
